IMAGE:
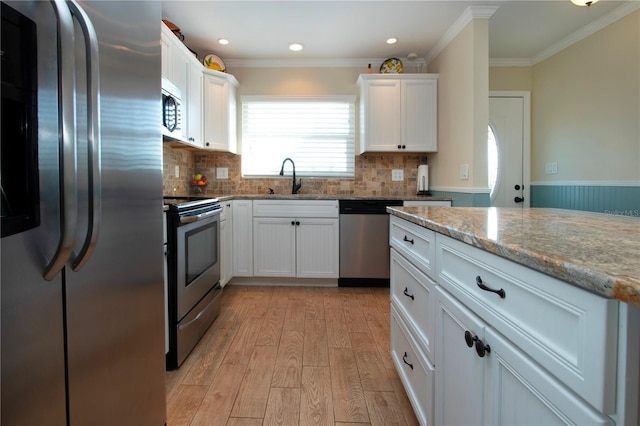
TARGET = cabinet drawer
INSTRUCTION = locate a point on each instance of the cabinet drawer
(295, 208)
(413, 242)
(414, 370)
(412, 295)
(569, 331)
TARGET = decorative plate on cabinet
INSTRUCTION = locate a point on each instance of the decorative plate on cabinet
(391, 66)
(213, 62)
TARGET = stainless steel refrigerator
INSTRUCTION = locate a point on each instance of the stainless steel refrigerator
(82, 324)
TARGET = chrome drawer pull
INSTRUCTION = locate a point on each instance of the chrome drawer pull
(407, 294)
(404, 359)
(500, 292)
(407, 240)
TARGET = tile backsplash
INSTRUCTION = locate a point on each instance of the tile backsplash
(172, 157)
(372, 176)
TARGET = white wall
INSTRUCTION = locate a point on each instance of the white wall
(463, 109)
(586, 108)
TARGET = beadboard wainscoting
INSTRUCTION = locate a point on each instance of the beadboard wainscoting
(621, 199)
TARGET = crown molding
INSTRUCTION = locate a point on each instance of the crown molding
(587, 30)
(317, 63)
(470, 13)
(510, 62)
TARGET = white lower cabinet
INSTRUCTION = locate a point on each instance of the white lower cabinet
(480, 340)
(226, 243)
(296, 238)
(493, 382)
(242, 224)
(415, 371)
(459, 374)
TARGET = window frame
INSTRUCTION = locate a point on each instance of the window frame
(350, 100)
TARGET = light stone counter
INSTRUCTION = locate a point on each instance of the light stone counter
(329, 197)
(595, 251)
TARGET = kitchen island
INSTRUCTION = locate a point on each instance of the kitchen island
(516, 314)
(597, 252)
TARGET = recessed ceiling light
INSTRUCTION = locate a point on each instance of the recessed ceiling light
(392, 40)
(223, 41)
(296, 47)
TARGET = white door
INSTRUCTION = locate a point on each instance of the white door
(509, 128)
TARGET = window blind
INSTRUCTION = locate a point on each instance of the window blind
(317, 133)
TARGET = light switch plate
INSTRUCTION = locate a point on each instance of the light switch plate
(222, 173)
(397, 175)
(464, 171)
(177, 171)
(551, 168)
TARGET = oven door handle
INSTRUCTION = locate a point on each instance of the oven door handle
(201, 313)
(201, 216)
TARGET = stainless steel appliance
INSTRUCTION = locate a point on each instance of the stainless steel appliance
(171, 110)
(81, 266)
(364, 243)
(193, 262)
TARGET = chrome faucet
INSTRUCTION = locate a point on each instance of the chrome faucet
(296, 186)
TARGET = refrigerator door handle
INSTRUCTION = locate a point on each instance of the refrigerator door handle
(66, 140)
(94, 160)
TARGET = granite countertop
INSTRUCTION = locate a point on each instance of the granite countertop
(330, 197)
(595, 251)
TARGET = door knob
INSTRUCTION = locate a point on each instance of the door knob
(518, 199)
(517, 187)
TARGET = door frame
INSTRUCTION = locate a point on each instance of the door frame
(526, 137)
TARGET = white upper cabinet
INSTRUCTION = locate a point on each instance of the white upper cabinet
(220, 111)
(398, 112)
(183, 69)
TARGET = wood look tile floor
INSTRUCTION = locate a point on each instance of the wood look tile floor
(292, 356)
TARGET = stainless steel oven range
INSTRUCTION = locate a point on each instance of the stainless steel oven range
(193, 264)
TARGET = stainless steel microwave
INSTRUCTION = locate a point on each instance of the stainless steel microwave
(171, 110)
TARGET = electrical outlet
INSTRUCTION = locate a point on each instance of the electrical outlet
(222, 173)
(551, 168)
(397, 175)
(177, 171)
(464, 171)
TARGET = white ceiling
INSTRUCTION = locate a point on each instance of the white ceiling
(353, 30)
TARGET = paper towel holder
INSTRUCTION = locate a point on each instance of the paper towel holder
(423, 179)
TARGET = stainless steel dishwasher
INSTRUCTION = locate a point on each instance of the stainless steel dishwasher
(364, 243)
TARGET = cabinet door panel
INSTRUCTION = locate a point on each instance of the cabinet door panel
(520, 392)
(381, 116)
(459, 370)
(317, 248)
(219, 112)
(242, 225)
(274, 244)
(194, 106)
(419, 103)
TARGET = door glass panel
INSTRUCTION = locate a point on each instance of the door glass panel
(493, 162)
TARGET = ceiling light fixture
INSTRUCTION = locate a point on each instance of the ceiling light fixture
(392, 40)
(584, 2)
(223, 41)
(296, 47)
